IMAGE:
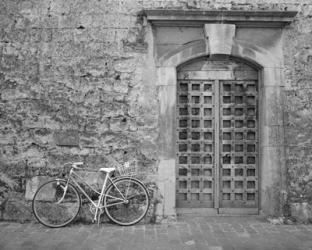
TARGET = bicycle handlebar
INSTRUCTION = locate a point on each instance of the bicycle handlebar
(77, 163)
(74, 165)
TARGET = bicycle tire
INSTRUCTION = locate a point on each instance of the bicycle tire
(126, 214)
(54, 209)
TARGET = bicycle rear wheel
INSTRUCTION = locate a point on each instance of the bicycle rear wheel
(126, 201)
(56, 203)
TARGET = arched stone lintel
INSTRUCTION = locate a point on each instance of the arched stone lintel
(251, 53)
(183, 54)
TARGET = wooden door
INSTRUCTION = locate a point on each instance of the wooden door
(196, 138)
(217, 136)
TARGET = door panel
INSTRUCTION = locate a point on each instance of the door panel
(239, 145)
(195, 143)
(217, 136)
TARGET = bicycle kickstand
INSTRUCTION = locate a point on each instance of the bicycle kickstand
(98, 219)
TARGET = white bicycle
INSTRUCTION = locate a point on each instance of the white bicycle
(124, 199)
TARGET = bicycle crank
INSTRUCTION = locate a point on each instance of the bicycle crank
(92, 209)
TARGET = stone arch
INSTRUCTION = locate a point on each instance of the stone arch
(272, 160)
(256, 55)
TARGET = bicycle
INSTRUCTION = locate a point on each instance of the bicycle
(124, 199)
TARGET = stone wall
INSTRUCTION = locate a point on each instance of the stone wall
(298, 113)
(77, 82)
(71, 80)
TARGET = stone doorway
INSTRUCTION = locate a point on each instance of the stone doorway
(217, 136)
(180, 37)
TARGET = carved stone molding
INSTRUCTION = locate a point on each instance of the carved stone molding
(197, 18)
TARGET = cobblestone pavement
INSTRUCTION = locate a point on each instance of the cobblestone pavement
(209, 233)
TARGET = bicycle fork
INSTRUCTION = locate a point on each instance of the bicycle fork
(64, 192)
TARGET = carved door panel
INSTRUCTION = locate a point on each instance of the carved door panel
(217, 138)
(195, 133)
(238, 144)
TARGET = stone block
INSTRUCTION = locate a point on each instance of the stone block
(166, 184)
(302, 212)
(271, 183)
(121, 87)
(118, 124)
(219, 38)
(167, 99)
(59, 6)
(7, 140)
(18, 210)
(49, 21)
(273, 76)
(68, 138)
(63, 35)
(33, 184)
(9, 62)
(272, 136)
(272, 105)
(126, 65)
(166, 75)
(12, 94)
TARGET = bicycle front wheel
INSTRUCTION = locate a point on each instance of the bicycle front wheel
(126, 201)
(56, 203)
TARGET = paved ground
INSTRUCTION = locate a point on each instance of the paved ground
(212, 233)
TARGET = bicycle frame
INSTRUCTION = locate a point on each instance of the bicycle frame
(73, 175)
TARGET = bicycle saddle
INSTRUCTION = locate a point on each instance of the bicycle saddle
(107, 170)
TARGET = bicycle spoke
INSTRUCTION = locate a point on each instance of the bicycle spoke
(56, 205)
(133, 209)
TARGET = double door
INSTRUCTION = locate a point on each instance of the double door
(217, 144)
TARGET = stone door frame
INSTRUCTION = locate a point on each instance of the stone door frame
(272, 186)
(272, 160)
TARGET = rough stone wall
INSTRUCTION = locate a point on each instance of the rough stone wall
(71, 81)
(77, 83)
(298, 113)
